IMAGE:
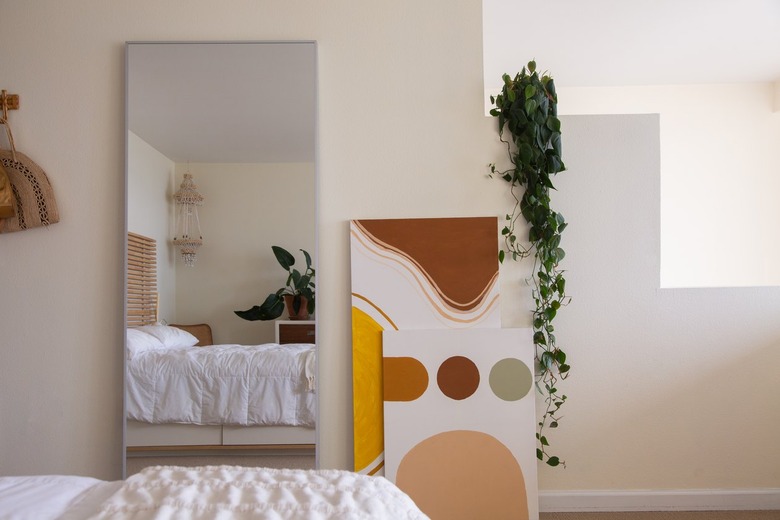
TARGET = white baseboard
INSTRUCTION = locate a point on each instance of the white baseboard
(666, 500)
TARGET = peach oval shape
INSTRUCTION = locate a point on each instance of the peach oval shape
(464, 475)
(406, 378)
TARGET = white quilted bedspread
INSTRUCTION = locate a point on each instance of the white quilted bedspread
(232, 492)
(264, 385)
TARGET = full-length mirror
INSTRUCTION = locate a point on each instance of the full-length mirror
(221, 150)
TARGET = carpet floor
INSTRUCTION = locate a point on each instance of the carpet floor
(666, 515)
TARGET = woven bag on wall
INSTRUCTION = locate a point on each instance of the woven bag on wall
(6, 195)
(31, 194)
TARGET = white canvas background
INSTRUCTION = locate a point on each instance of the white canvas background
(512, 423)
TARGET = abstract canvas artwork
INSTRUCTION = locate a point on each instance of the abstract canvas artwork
(460, 421)
(436, 273)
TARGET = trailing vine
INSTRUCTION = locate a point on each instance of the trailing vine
(527, 109)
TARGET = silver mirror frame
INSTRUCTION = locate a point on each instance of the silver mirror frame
(126, 205)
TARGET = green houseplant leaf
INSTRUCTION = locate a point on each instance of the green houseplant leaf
(298, 285)
(271, 308)
(285, 259)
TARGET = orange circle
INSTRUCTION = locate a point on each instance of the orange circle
(405, 378)
(458, 377)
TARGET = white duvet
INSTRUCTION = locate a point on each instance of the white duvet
(243, 385)
(231, 492)
(210, 492)
(49, 497)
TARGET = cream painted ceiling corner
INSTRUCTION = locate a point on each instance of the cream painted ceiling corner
(599, 43)
(195, 112)
(702, 65)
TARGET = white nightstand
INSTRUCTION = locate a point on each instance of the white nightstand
(295, 331)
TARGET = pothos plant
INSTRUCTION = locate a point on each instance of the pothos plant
(527, 111)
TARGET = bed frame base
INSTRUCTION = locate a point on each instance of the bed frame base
(147, 437)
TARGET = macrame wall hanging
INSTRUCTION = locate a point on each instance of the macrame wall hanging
(26, 196)
(188, 236)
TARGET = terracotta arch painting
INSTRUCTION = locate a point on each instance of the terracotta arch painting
(460, 421)
(412, 274)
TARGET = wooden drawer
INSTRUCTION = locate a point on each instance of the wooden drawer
(295, 332)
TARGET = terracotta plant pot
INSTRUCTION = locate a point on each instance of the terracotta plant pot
(303, 311)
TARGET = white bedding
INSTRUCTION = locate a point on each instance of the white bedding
(46, 497)
(213, 492)
(258, 493)
(243, 385)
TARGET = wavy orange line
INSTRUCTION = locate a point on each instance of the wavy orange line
(447, 312)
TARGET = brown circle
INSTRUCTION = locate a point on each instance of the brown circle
(458, 377)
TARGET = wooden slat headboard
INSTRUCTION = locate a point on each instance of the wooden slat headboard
(141, 280)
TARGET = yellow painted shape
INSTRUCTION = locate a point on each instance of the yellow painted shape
(367, 389)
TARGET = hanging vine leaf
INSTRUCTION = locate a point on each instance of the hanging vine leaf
(527, 109)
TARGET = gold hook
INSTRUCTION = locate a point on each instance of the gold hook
(8, 102)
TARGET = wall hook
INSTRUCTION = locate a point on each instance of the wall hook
(8, 102)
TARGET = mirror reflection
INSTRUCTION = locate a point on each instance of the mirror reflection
(233, 124)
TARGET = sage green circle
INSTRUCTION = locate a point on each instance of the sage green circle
(511, 379)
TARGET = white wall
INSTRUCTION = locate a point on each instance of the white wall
(402, 134)
(720, 176)
(622, 43)
(247, 209)
(672, 388)
(149, 210)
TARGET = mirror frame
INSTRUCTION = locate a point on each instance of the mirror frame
(126, 206)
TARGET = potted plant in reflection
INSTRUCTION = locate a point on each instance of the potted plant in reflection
(297, 295)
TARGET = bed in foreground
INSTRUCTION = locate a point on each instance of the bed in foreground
(208, 492)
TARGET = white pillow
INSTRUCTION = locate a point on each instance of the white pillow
(139, 341)
(170, 337)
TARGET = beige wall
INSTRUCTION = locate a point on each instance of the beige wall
(682, 397)
(150, 178)
(247, 209)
